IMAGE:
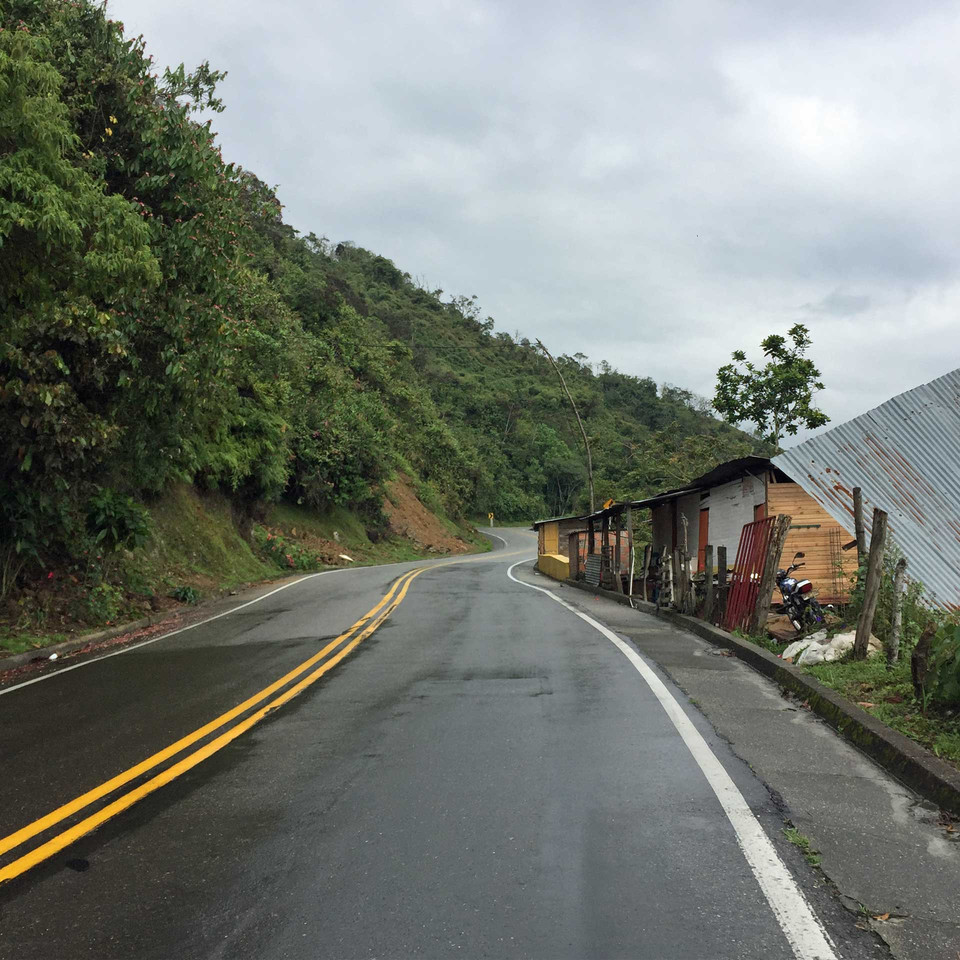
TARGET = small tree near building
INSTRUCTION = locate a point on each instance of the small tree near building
(776, 398)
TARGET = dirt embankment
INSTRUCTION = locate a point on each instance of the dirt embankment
(410, 519)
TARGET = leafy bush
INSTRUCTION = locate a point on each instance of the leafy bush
(104, 602)
(185, 594)
(943, 679)
(286, 555)
(115, 522)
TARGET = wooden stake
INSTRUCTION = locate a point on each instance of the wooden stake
(632, 551)
(676, 585)
(617, 580)
(858, 525)
(708, 582)
(604, 551)
(893, 647)
(871, 589)
(721, 584)
(781, 526)
(647, 553)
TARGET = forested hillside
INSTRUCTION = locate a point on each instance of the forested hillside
(161, 325)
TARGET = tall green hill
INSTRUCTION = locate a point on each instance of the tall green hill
(162, 325)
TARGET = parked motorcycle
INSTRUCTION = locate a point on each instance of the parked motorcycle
(799, 603)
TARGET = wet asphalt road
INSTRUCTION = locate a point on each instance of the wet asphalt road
(485, 776)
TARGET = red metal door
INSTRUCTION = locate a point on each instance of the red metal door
(745, 581)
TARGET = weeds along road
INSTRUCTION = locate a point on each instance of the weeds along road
(416, 760)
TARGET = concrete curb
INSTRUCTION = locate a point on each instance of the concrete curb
(910, 763)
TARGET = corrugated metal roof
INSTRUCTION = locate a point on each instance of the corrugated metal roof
(572, 516)
(905, 456)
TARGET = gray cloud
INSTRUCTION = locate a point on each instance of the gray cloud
(838, 304)
(654, 184)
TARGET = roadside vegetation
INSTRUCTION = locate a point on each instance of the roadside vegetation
(918, 692)
(168, 339)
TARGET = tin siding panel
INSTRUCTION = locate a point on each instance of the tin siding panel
(905, 455)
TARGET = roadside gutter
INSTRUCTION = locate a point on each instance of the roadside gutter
(911, 764)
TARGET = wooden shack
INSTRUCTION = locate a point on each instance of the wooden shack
(713, 508)
(553, 538)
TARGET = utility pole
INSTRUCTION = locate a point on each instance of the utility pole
(583, 433)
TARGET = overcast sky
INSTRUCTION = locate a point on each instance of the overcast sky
(651, 183)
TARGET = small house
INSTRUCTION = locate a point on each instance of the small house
(553, 538)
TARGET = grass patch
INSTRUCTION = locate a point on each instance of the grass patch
(760, 640)
(21, 642)
(886, 692)
(803, 843)
(195, 540)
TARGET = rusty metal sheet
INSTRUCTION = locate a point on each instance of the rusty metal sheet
(905, 456)
(748, 572)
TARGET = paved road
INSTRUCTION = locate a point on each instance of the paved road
(485, 775)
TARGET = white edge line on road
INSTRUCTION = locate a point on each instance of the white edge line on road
(162, 636)
(804, 932)
(504, 542)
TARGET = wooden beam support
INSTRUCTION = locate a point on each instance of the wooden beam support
(896, 625)
(871, 589)
(721, 584)
(781, 526)
(617, 580)
(858, 525)
(708, 582)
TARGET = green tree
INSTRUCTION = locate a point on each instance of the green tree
(776, 398)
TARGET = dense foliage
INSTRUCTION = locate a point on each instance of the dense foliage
(161, 322)
(776, 398)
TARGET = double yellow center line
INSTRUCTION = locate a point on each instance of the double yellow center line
(349, 640)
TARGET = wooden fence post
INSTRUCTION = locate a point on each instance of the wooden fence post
(708, 582)
(721, 584)
(605, 551)
(858, 525)
(647, 551)
(617, 580)
(871, 589)
(631, 552)
(781, 526)
(893, 648)
(676, 585)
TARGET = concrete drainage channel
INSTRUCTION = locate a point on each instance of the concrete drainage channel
(910, 763)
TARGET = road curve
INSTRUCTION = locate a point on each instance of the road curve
(482, 774)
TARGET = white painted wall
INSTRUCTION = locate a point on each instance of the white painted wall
(731, 506)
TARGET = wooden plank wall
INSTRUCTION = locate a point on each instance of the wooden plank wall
(813, 538)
